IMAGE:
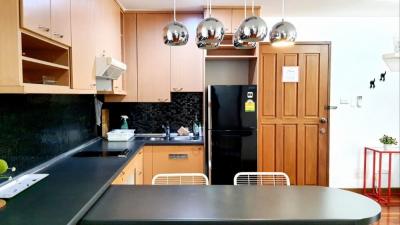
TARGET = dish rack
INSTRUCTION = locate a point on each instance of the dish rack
(120, 135)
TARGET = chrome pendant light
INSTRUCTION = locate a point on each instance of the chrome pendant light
(210, 32)
(253, 28)
(283, 33)
(239, 44)
(175, 33)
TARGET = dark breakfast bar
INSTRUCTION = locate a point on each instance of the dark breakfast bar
(232, 205)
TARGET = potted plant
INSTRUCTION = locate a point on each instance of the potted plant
(387, 141)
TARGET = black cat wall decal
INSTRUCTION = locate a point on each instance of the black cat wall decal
(383, 75)
(372, 83)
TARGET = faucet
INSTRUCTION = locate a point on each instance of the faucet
(167, 131)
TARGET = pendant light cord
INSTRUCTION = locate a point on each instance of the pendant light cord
(174, 10)
(283, 10)
(245, 9)
(210, 10)
(252, 7)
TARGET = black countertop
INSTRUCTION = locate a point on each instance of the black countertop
(231, 205)
(73, 186)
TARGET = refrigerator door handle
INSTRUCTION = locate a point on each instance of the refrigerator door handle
(209, 155)
(209, 107)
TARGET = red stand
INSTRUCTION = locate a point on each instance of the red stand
(376, 193)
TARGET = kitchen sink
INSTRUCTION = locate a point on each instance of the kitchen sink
(157, 138)
(182, 138)
(150, 135)
(163, 137)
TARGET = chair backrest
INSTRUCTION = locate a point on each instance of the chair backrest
(262, 178)
(180, 179)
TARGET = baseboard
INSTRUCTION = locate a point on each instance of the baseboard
(361, 190)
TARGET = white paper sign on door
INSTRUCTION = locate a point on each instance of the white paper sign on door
(290, 74)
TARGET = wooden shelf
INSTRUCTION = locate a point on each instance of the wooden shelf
(222, 57)
(31, 63)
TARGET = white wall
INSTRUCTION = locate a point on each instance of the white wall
(234, 72)
(357, 48)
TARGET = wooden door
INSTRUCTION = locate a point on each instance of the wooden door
(154, 58)
(83, 45)
(61, 21)
(293, 134)
(36, 16)
(187, 62)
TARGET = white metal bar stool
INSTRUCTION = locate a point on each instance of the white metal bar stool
(180, 179)
(262, 178)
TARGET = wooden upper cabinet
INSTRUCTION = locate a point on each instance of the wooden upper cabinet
(35, 16)
(187, 62)
(223, 15)
(108, 29)
(238, 16)
(232, 17)
(61, 21)
(154, 58)
(83, 45)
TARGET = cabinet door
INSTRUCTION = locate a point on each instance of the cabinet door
(83, 45)
(225, 16)
(139, 168)
(108, 28)
(36, 16)
(120, 179)
(178, 159)
(61, 21)
(154, 59)
(187, 61)
(238, 17)
(147, 165)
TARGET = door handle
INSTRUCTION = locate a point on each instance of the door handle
(323, 120)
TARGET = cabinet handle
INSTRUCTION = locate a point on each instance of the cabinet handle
(166, 100)
(59, 35)
(45, 29)
(178, 156)
(175, 89)
(180, 89)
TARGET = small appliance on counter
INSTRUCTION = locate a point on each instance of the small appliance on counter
(120, 135)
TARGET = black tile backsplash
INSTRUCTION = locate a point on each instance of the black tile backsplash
(36, 128)
(149, 117)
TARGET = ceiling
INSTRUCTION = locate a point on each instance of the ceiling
(294, 8)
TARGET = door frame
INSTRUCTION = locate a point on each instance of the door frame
(259, 141)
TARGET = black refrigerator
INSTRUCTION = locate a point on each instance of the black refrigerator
(232, 131)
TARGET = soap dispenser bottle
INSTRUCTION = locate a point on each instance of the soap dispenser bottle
(196, 127)
(124, 123)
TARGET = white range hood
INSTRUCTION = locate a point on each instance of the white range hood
(392, 60)
(109, 68)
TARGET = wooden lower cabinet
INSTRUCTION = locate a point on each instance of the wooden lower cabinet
(172, 159)
(133, 172)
